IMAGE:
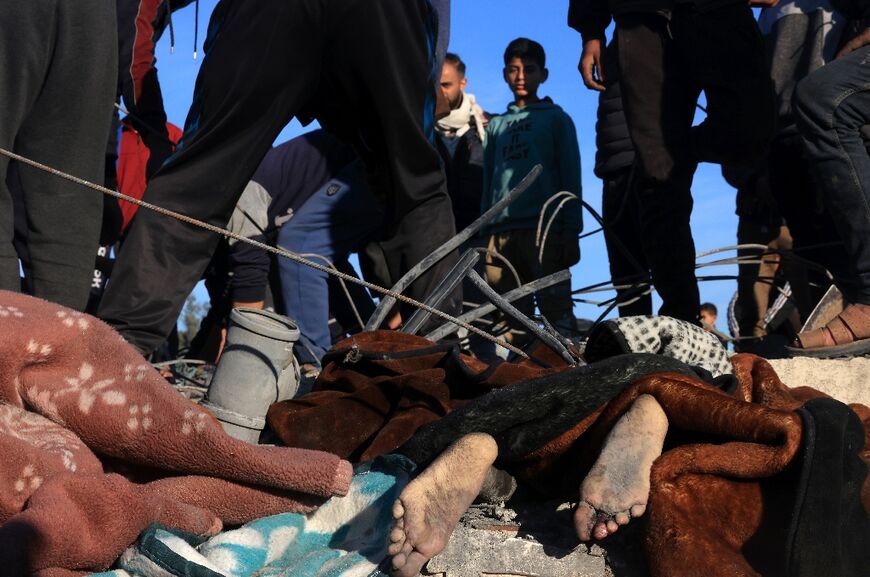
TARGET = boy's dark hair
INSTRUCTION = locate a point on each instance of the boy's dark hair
(525, 49)
(710, 308)
(456, 61)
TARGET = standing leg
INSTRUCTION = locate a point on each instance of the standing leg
(246, 91)
(832, 104)
(624, 246)
(24, 60)
(64, 218)
(659, 105)
(383, 68)
(831, 107)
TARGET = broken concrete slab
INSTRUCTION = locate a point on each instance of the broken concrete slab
(536, 539)
(847, 380)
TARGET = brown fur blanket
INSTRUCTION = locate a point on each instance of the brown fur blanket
(75, 402)
(378, 388)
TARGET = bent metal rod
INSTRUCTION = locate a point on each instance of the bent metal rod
(278, 251)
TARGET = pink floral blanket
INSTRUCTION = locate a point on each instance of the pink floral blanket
(96, 446)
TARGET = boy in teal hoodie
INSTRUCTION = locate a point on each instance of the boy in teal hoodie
(532, 131)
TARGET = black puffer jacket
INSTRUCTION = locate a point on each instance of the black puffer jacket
(592, 17)
(614, 149)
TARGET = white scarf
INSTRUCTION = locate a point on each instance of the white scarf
(458, 122)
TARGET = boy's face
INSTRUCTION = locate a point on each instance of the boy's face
(452, 85)
(524, 76)
(708, 318)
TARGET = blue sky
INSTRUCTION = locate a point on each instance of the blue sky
(480, 31)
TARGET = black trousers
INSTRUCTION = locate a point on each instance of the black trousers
(363, 68)
(664, 67)
(624, 246)
(57, 68)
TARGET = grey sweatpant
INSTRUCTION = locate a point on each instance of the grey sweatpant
(58, 76)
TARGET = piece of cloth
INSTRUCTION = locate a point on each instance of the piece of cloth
(76, 402)
(469, 115)
(235, 117)
(665, 64)
(346, 536)
(686, 342)
(540, 133)
(832, 104)
(57, 70)
(377, 388)
(134, 155)
(829, 488)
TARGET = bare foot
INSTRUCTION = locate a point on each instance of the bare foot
(617, 488)
(431, 505)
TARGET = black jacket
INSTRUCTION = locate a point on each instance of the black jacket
(614, 149)
(592, 17)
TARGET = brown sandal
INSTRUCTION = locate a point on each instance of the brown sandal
(843, 330)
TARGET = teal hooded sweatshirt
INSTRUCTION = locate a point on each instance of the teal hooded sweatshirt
(541, 133)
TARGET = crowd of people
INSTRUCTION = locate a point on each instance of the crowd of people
(407, 158)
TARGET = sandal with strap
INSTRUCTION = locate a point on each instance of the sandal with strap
(849, 331)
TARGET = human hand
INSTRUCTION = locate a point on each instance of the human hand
(591, 65)
(857, 42)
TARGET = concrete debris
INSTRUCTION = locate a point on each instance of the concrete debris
(533, 540)
(846, 380)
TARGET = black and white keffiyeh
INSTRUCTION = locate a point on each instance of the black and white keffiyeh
(662, 336)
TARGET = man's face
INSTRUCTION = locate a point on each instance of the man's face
(452, 84)
(524, 77)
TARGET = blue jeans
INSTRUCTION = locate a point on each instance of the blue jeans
(831, 106)
(338, 219)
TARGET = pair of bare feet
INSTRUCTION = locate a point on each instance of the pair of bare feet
(615, 491)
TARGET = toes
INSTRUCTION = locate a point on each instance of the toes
(399, 561)
(413, 564)
(637, 511)
(622, 518)
(397, 535)
(612, 527)
(395, 548)
(584, 520)
(398, 510)
(600, 531)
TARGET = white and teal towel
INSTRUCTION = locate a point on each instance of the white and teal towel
(346, 537)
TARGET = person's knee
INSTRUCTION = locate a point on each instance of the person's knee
(811, 103)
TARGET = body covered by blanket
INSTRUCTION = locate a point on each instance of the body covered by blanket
(759, 480)
(736, 492)
(73, 396)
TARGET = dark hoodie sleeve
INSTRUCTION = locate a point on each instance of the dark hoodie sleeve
(590, 18)
(855, 10)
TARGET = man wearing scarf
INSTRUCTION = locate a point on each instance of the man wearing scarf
(459, 141)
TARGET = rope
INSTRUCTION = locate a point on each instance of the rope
(280, 252)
